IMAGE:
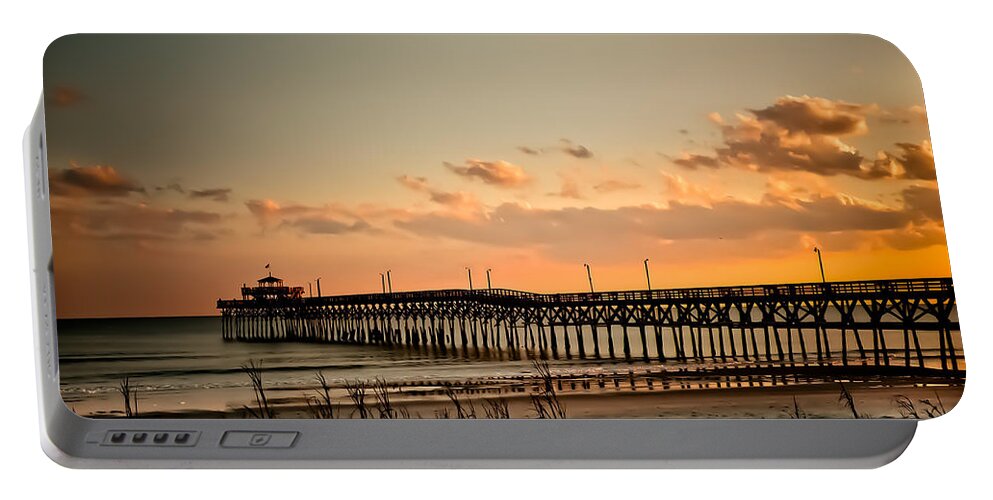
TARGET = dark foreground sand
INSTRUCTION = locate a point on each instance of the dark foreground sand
(643, 395)
(813, 401)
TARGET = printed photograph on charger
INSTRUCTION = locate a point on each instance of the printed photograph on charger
(497, 226)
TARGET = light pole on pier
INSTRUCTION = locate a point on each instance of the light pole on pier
(589, 276)
(382, 281)
(489, 286)
(310, 289)
(389, 280)
(469, 270)
(648, 276)
(318, 286)
(820, 262)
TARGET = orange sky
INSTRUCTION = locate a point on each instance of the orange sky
(180, 166)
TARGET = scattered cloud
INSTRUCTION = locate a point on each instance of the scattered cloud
(914, 236)
(216, 194)
(458, 200)
(267, 210)
(612, 185)
(576, 150)
(923, 200)
(569, 189)
(128, 221)
(498, 173)
(327, 219)
(913, 161)
(565, 146)
(327, 225)
(95, 180)
(797, 185)
(910, 114)
(918, 112)
(680, 190)
(64, 96)
(175, 186)
(815, 116)
(414, 183)
(695, 161)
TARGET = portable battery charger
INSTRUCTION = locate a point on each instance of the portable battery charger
(486, 251)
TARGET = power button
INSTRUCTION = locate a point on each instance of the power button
(258, 439)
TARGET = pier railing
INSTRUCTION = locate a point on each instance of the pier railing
(813, 289)
(782, 322)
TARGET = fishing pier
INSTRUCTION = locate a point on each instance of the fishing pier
(909, 323)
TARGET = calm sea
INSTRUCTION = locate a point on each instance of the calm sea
(183, 364)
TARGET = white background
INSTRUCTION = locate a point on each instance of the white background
(949, 42)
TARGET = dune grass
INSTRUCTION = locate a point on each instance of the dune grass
(262, 408)
(130, 396)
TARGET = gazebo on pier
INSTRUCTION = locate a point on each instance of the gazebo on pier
(270, 288)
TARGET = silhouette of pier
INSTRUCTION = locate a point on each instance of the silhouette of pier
(906, 323)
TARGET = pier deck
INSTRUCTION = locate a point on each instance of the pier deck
(907, 322)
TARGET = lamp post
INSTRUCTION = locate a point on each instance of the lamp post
(469, 270)
(489, 285)
(820, 262)
(589, 276)
(382, 281)
(318, 286)
(389, 280)
(648, 276)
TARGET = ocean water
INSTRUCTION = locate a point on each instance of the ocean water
(181, 360)
(183, 364)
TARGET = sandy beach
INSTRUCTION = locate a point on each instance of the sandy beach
(631, 395)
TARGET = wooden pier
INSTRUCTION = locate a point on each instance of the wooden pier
(905, 323)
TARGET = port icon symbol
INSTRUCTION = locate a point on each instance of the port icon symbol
(259, 439)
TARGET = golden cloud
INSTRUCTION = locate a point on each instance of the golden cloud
(95, 180)
(498, 173)
(457, 200)
(136, 222)
(612, 185)
(914, 161)
(816, 116)
(308, 219)
(805, 134)
(633, 230)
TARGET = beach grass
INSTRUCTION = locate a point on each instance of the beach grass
(130, 396)
(796, 411)
(545, 400)
(384, 405)
(463, 408)
(262, 407)
(321, 406)
(496, 408)
(928, 409)
(543, 394)
(357, 393)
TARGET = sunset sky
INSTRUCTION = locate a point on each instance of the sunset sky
(181, 166)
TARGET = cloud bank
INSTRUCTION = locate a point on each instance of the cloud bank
(806, 134)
